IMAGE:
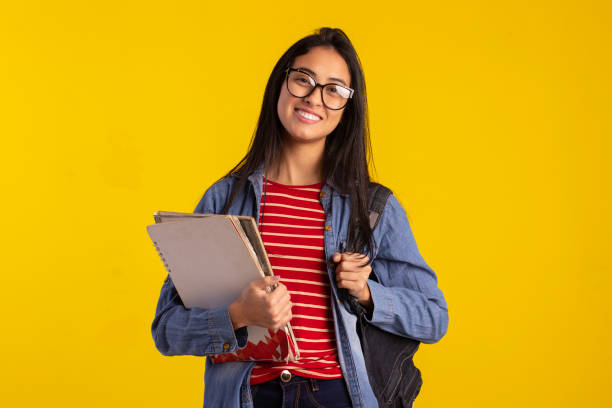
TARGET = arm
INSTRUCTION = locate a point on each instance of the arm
(195, 331)
(179, 331)
(198, 332)
(406, 298)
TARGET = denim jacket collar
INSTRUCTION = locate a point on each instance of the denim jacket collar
(256, 179)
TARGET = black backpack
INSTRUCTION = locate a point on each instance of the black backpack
(395, 380)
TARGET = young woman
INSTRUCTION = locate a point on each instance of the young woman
(305, 179)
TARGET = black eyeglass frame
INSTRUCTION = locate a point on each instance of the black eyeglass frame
(289, 70)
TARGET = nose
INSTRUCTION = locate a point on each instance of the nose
(316, 96)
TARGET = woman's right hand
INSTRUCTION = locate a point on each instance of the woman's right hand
(258, 307)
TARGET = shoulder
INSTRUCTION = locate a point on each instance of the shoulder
(214, 198)
(393, 219)
(393, 213)
(394, 234)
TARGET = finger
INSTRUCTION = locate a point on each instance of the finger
(270, 280)
(355, 257)
(336, 257)
(279, 295)
(282, 317)
(286, 311)
(353, 267)
(351, 276)
(348, 284)
(351, 285)
(268, 283)
(347, 267)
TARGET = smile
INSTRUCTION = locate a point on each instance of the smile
(307, 115)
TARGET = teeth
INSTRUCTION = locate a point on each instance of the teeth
(308, 115)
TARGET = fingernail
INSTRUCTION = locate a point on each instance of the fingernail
(276, 278)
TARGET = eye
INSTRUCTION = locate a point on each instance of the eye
(301, 79)
(338, 90)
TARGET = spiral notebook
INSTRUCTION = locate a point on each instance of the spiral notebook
(211, 258)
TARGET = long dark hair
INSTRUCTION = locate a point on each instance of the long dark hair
(347, 148)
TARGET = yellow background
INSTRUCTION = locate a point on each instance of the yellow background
(490, 121)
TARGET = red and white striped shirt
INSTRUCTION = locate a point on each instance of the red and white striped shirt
(292, 221)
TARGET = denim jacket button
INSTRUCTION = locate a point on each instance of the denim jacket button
(226, 346)
(328, 228)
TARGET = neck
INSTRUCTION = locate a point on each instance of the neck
(300, 164)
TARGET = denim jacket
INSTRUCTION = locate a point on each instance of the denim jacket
(405, 295)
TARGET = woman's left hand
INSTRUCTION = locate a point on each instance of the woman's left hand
(352, 273)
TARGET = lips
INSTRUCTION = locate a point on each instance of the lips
(308, 111)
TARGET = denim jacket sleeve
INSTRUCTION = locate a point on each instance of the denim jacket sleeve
(406, 298)
(180, 331)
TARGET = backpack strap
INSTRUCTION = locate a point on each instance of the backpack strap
(378, 195)
(377, 199)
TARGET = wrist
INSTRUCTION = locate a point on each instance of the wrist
(236, 315)
(365, 298)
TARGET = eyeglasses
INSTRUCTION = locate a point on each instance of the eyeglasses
(300, 84)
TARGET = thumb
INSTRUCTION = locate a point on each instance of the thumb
(336, 257)
(271, 280)
(269, 283)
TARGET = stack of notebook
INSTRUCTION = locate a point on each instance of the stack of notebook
(211, 258)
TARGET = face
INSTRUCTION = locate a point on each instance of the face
(327, 66)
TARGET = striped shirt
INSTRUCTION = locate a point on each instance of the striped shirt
(291, 224)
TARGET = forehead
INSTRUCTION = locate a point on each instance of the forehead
(326, 63)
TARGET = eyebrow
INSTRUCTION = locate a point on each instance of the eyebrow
(311, 72)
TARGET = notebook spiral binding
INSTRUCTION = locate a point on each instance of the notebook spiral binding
(161, 255)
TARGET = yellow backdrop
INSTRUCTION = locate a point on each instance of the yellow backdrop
(490, 121)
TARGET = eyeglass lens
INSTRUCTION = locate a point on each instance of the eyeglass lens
(300, 84)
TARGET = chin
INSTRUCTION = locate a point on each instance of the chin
(306, 137)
